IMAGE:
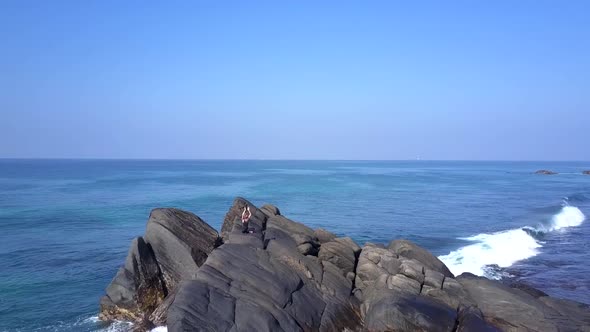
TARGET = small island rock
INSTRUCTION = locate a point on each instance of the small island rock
(545, 172)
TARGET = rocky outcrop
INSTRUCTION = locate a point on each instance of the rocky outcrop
(271, 280)
(410, 250)
(181, 242)
(405, 288)
(586, 172)
(232, 223)
(284, 276)
(545, 172)
(137, 289)
(519, 309)
(176, 243)
(323, 235)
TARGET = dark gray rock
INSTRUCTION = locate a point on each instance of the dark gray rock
(392, 312)
(433, 279)
(402, 293)
(181, 242)
(410, 250)
(350, 243)
(471, 320)
(232, 223)
(137, 289)
(244, 278)
(545, 172)
(339, 254)
(577, 314)
(323, 235)
(412, 269)
(368, 269)
(270, 210)
(175, 244)
(304, 237)
(255, 239)
(403, 283)
(586, 172)
(272, 281)
(391, 264)
(528, 289)
(270, 292)
(512, 309)
(452, 293)
(214, 310)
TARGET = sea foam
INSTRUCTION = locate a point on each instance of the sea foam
(160, 329)
(569, 216)
(506, 247)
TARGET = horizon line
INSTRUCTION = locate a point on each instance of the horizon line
(280, 159)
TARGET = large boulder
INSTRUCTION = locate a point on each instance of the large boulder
(270, 210)
(513, 309)
(304, 237)
(340, 252)
(411, 250)
(176, 243)
(323, 235)
(404, 288)
(181, 242)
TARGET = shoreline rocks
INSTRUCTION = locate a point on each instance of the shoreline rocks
(176, 243)
(285, 276)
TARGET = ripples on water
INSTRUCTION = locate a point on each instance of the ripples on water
(65, 225)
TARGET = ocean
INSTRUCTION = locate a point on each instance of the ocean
(66, 225)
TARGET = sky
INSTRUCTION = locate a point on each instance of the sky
(440, 80)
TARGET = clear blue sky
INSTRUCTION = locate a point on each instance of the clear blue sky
(475, 80)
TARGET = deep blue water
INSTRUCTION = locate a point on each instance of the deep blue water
(65, 225)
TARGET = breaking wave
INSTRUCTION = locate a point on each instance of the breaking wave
(504, 248)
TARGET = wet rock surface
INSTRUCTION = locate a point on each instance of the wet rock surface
(284, 276)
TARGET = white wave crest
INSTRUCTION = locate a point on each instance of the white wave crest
(569, 216)
(502, 248)
(506, 247)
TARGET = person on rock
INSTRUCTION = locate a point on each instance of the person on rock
(246, 218)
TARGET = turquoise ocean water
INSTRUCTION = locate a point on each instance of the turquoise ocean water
(65, 225)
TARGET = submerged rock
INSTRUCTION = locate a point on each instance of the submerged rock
(284, 276)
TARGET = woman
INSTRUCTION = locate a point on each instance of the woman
(245, 218)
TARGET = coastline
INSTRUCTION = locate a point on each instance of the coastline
(302, 278)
